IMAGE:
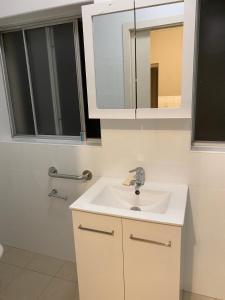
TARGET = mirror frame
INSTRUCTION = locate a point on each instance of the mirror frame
(88, 12)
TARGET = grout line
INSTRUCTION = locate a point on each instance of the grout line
(45, 288)
(12, 265)
(11, 282)
(204, 296)
(56, 277)
(35, 253)
(52, 275)
(60, 268)
(8, 250)
(25, 269)
(35, 271)
(29, 260)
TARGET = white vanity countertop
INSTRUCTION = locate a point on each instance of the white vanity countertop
(100, 199)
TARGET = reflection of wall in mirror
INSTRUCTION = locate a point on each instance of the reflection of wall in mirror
(108, 58)
(166, 51)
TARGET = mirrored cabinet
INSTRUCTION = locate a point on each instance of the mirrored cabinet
(136, 63)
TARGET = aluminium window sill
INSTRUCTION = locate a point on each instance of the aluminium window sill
(52, 141)
(210, 147)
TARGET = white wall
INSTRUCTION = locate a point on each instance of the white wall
(30, 220)
(12, 8)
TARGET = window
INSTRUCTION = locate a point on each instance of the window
(45, 74)
(210, 89)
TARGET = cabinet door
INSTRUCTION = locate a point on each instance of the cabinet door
(151, 261)
(110, 72)
(99, 257)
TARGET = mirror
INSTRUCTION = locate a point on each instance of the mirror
(159, 51)
(113, 78)
(146, 44)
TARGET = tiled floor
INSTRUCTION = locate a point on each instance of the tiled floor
(190, 296)
(25, 275)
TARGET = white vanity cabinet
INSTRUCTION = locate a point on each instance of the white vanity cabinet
(118, 258)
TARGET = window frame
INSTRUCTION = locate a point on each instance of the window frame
(197, 145)
(45, 24)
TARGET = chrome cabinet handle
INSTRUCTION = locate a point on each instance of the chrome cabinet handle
(132, 237)
(96, 230)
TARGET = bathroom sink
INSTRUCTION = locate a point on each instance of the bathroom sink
(125, 198)
(157, 202)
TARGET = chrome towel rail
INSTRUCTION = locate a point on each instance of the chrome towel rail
(53, 172)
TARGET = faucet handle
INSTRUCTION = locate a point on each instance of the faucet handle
(137, 170)
(134, 170)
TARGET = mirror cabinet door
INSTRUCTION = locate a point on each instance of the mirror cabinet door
(134, 59)
(114, 80)
(159, 55)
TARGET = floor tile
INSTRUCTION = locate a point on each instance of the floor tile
(190, 296)
(28, 286)
(59, 289)
(67, 271)
(7, 274)
(17, 257)
(45, 264)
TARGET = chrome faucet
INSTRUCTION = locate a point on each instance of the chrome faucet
(139, 179)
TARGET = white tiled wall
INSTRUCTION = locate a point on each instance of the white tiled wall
(31, 220)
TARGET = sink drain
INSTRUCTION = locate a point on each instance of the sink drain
(135, 208)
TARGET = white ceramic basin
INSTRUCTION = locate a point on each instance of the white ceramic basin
(124, 197)
(161, 203)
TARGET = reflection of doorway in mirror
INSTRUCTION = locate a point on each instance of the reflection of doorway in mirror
(166, 52)
(154, 85)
